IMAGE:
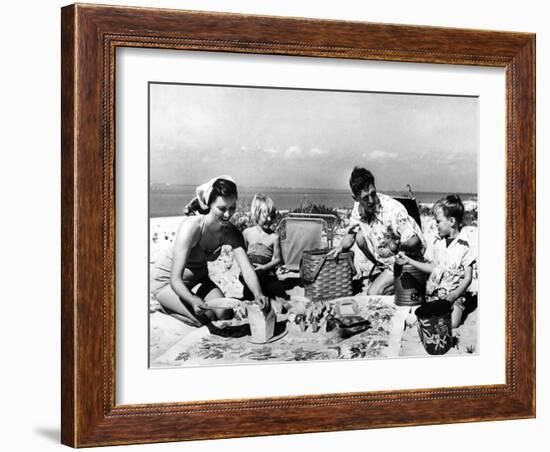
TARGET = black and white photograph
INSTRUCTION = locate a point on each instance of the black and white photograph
(291, 225)
(244, 214)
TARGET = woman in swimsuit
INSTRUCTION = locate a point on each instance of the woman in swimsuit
(179, 278)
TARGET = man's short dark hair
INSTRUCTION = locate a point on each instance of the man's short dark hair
(360, 179)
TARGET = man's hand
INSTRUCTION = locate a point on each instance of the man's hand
(347, 242)
(394, 245)
(412, 245)
(334, 253)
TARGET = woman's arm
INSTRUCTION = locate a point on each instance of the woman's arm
(452, 296)
(275, 259)
(187, 237)
(249, 276)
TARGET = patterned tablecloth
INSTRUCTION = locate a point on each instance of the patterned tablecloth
(231, 343)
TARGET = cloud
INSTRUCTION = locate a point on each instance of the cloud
(317, 151)
(272, 151)
(293, 152)
(381, 155)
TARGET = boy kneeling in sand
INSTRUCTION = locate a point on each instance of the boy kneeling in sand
(450, 259)
(263, 247)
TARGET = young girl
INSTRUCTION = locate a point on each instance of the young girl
(263, 247)
(451, 259)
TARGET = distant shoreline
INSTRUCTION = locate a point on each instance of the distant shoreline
(171, 202)
(181, 188)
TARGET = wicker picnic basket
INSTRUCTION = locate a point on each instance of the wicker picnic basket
(326, 277)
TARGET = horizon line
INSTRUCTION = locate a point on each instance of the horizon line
(322, 188)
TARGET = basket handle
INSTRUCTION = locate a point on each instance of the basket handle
(315, 272)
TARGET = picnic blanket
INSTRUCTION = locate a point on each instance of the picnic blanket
(232, 342)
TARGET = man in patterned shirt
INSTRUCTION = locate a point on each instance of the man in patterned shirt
(381, 227)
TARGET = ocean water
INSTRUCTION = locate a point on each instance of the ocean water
(165, 201)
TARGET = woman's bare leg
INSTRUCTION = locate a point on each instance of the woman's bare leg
(170, 300)
(210, 291)
(213, 294)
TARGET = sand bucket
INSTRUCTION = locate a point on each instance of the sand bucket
(434, 326)
(262, 325)
(410, 285)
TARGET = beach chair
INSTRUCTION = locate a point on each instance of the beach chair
(412, 208)
(304, 231)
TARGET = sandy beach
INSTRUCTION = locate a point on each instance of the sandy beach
(167, 332)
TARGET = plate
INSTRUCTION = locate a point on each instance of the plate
(222, 303)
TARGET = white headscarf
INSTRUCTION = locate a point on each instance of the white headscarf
(203, 191)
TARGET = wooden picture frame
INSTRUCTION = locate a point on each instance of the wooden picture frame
(90, 36)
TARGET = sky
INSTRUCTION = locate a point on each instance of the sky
(267, 137)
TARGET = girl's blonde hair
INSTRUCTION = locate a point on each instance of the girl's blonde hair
(262, 204)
